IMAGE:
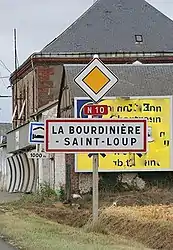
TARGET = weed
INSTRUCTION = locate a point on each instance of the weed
(46, 191)
(61, 193)
(96, 227)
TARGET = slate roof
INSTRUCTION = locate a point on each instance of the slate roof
(111, 26)
(143, 80)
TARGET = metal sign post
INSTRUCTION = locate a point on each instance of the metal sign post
(71, 135)
(37, 172)
(95, 187)
(95, 207)
(95, 136)
(36, 137)
(96, 80)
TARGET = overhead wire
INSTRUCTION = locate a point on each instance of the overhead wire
(4, 66)
(2, 80)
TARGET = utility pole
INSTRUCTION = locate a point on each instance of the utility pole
(15, 103)
(15, 49)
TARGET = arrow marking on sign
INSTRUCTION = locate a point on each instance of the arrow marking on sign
(102, 154)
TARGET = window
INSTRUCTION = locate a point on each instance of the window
(138, 39)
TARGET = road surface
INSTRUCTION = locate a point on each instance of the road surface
(7, 197)
(6, 246)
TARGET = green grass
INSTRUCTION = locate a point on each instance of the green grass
(31, 232)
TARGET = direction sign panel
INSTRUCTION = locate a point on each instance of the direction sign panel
(96, 110)
(96, 79)
(96, 135)
(36, 132)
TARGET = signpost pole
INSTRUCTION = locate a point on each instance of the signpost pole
(55, 142)
(40, 167)
(37, 164)
(95, 187)
(109, 139)
(95, 181)
(36, 136)
(96, 92)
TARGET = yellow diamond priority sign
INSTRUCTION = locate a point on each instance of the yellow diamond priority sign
(96, 79)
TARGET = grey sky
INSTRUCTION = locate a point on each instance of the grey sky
(37, 23)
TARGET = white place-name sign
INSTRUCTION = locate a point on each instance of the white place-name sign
(96, 135)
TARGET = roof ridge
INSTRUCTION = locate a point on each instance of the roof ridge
(160, 12)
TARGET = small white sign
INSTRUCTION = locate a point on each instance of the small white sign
(37, 155)
(96, 135)
(17, 139)
(96, 79)
(36, 132)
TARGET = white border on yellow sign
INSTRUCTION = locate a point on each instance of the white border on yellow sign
(133, 97)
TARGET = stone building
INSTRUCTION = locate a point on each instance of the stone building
(121, 33)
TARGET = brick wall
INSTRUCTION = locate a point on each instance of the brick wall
(69, 159)
(22, 91)
(38, 87)
(45, 84)
(48, 82)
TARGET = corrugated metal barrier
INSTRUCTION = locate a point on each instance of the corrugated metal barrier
(22, 173)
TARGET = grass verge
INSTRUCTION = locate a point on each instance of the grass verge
(151, 225)
(146, 217)
(33, 232)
